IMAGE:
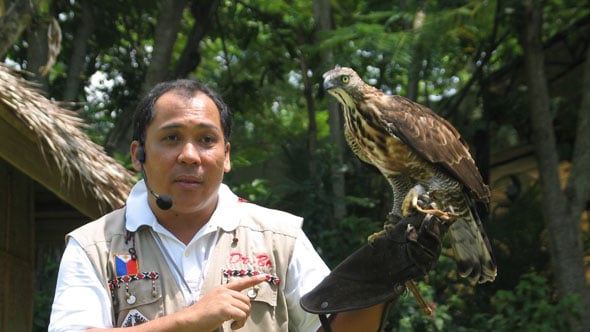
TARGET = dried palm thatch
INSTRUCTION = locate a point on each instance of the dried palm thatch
(61, 138)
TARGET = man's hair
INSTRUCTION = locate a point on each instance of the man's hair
(144, 113)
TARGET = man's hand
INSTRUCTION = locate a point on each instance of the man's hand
(223, 303)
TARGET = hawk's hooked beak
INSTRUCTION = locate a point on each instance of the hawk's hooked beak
(328, 84)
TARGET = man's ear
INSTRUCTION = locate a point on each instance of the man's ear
(227, 162)
(134, 151)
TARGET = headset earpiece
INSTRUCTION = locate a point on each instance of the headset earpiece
(164, 202)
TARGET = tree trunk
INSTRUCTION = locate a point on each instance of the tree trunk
(77, 62)
(13, 24)
(312, 128)
(37, 51)
(164, 39)
(203, 12)
(566, 247)
(323, 16)
(580, 172)
(412, 90)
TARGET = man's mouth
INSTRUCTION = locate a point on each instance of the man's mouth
(189, 179)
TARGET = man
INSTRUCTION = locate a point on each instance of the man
(208, 262)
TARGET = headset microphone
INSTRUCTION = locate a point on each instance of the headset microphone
(164, 202)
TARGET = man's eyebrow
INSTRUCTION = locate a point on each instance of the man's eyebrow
(177, 125)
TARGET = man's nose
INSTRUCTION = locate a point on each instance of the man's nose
(190, 154)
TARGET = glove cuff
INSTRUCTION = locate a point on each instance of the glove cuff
(375, 273)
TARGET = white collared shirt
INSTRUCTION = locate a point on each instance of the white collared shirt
(81, 301)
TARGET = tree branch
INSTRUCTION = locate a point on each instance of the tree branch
(578, 184)
(17, 19)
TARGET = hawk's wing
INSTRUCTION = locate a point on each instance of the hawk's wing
(434, 139)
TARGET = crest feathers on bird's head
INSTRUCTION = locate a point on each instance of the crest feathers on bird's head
(327, 73)
(344, 84)
(339, 69)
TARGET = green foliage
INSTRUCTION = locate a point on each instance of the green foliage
(254, 56)
(531, 306)
(44, 288)
(255, 191)
(517, 227)
(406, 315)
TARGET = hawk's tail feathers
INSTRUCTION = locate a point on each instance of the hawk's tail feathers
(473, 252)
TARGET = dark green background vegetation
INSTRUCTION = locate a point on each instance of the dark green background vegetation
(464, 59)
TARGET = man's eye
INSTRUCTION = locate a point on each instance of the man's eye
(171, 138)
(208, 139)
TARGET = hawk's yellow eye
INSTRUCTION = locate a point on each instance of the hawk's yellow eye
(345, 79)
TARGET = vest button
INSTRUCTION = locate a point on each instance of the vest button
(131, 299)
(253, 292)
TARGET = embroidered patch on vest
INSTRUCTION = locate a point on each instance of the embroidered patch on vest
(126, 264)
(260, 260)
(126, 279)
(274, 280)
(116, 282)
(134, 317)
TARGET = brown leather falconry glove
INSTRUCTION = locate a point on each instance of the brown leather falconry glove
(377, 272)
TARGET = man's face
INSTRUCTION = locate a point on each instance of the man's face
(186, 155)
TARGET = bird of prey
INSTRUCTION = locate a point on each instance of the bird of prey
(422, 156)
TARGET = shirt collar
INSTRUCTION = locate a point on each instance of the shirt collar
(138, 212)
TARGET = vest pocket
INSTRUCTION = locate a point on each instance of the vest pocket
(136, 301)
(264, 292)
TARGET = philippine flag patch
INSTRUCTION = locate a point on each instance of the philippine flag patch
(126, 265)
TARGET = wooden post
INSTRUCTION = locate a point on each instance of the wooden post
(17, 243)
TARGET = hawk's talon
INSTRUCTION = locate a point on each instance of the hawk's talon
(410, 202)
(447, 216)
(418, 197)
(376, 235)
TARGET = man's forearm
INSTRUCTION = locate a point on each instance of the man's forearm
(368, 319)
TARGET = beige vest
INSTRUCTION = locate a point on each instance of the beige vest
(144, 289)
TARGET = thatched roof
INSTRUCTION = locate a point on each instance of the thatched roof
(79, 166)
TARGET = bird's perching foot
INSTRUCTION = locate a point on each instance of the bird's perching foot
(417, 195)
(390, 222)
(374, 236)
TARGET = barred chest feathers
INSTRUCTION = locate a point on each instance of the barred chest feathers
(371, 143)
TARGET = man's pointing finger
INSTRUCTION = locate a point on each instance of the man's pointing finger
(243, 283)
